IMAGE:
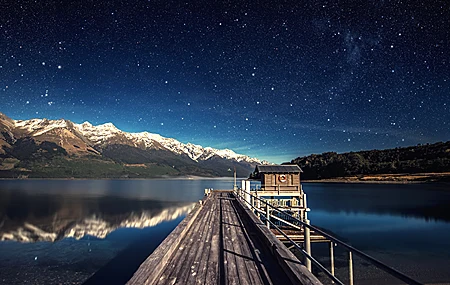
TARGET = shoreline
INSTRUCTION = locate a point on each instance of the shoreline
(402, 178)
(364, 181)
(189, 177)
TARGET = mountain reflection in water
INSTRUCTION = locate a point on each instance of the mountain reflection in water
(64, 231)
(29, 217)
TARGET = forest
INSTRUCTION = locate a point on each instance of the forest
(426, 158)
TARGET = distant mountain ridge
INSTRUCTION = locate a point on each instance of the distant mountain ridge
(84, 150)
(427, 158)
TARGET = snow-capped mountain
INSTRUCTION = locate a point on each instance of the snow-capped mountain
(142, 149)
(104, 133)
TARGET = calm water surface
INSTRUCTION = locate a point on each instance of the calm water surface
(62, 232)
(67, 232)
(406, 226)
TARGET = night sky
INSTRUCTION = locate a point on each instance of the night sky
(270, 79)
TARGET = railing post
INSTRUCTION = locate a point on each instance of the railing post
(267, 216)
(350, 268)
(246, 193)
(332, 258)
(258, 205)
(308, 245)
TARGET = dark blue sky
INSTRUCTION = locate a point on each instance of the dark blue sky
(271, 79)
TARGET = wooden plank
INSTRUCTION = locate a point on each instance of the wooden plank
(238, 245)
(173, 272)
(231, 271)
(199, 248)
(213, 271)
(206, 248)
(246, 260)
(294, 269)
(195, 247)
(234, 264)
(156, 262)
(269, 193)
(300, 238)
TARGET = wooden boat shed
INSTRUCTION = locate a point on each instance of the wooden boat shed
(280, 186)
(280, 178)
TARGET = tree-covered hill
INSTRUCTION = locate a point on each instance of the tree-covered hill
(415, 159)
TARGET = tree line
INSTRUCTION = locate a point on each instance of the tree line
(415, 159)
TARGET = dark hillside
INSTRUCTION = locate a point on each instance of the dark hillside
(415, 159)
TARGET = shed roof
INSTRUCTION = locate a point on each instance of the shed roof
(278, 169)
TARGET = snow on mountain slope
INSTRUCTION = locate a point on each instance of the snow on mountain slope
(229, 154)
(40, 126)
(107, 133)
(192, 150)
(62, 132)
(98, 134)
(196, 152)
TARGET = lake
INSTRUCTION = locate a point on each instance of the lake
(70, 231)
(406, 226)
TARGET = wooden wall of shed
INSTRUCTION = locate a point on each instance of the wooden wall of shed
(272, 179)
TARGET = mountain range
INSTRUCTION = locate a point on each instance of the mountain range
(61, 149)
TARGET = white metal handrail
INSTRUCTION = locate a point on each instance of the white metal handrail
(393, 272)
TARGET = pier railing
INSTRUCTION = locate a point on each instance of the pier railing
(254, 202)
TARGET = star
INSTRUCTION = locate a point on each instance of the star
(357, 68)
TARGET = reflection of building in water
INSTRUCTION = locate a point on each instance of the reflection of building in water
(94, 225)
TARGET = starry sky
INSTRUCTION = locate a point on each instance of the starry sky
(270, 79)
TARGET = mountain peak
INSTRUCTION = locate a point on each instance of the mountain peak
(38, 127)
(6, 121)
(138, 149)
(108, 125)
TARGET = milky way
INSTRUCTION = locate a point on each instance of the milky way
(271, 79)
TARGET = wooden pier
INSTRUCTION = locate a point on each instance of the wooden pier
(222, 242)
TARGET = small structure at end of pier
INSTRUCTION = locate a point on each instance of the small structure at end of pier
(280, 187)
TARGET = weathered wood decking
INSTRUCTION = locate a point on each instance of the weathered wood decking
(222, 242)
